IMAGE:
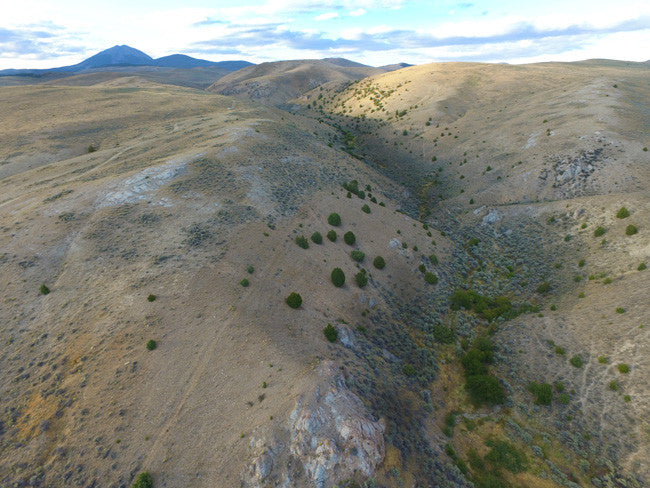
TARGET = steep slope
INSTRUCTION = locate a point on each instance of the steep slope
(153, 213)
(532, 164)
(278, 82)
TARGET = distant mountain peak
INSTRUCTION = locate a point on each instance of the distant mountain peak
(117, 55)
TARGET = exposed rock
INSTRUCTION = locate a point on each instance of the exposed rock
(330, 437)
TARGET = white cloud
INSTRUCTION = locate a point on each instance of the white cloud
(357, 13)
(327, 16)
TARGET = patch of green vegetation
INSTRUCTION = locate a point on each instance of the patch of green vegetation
(151, 297)
(330, 332)
(620, 310)
(603, 359)
(641, 267)
(623, 368)
(430, 278)
(349, 238)
(379, 262)
(250, 269)
(409, 370)
(622, 213)
(581, 263)
(331, 235)
(365, 208)
(576, 361)
(302, 242)
(44, 290)
(544, 288)
(443, 334)
(630, 230)
(294, 300)
(361, 278)
(487, 307)
(357, 255)
(244, 282)
(473, 242)
(599, 231)
(334, 219)
(434, 259)
(151, 345)
(338, 277)
(317, 238)
(613, 385)
(564, 398)
(506, 455)
(144, 480)
(542, 391)
(560, 351)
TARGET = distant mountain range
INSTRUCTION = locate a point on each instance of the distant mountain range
(121, 56)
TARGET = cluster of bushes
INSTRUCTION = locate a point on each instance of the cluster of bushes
(487, 307)
(353, 187)
(480, 385)
(302, 241)
(542, 391)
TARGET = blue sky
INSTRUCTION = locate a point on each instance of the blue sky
(45, 33)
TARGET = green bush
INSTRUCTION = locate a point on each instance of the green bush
(599, 231)
(250, 269)
(484, 388)
(641, 267)
(244, 282)
(430, 278)
(151, 298)
(542, 391)
(379, 262)
(44, 290)
(630, 230)
(443, 334)
(151, 345)
(365, 208)
(613, 385)
(564, 398)
(302, 242)
(294, 300)
(434, 259)
(143, 480)
(357, 255)
(409, 370)
(317, 238)
(331, 333)
(576, 361)
(622, 213)
(603, 359)
(338, 277)
(349, 238)
(623, 368)
(361, 278)
(544, 288)
(620, 310)
(334, 219)
(506, 455)
(331, 235)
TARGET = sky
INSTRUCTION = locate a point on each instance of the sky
(49, 33)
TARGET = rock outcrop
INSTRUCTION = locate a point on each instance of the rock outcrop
(330, 436)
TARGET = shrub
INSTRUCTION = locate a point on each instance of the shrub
(623, 368)
(599, 231)
(564, 398)
(379, 262)
(250, 269)
(430, 278)
(334, 219)
(365, 208)
(434, 259)
(151, 345)
(151, 298)
(630, 230)
(143, 480)
(317, 238)
(506, 455)
(331, 235)
(542, 391)
(349, 238)
(443, 334)
(302, 242)
(581, 263)
(576, 361)
(361, 278)
(44, 290)
(641, 267)
(484, 388)
(244, 282)
(92, 149)
(357, 255)
(620, 310)
(613, 385)
(294, 300)
(338, 277)
(544, 288)
(622, 213)
(603, 359)
(409, 370)
(331, 333)
(560, 350)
